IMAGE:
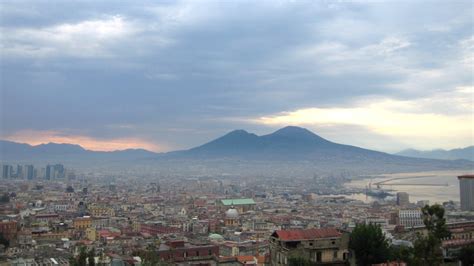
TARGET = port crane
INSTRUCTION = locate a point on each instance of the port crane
(386, 182)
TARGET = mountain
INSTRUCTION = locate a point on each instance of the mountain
(290, 151)
(295, 151)
(466, 153)
(286, 144)
(12, 151)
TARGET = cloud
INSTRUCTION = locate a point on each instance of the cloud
(89, 38)
(80, 67)
(416, 122)
(89, 143)
(467, 52)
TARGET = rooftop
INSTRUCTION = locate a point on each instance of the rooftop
(306, 234)
(466, 176)
(230, 202)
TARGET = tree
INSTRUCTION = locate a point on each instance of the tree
(466, 255)
(369, 244)
(401, 254)
(81, 259)
(91, 257)
(149, 256)
(427, 250)
(433, 218)
(427, 247)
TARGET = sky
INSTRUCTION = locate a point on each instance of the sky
(168, 75)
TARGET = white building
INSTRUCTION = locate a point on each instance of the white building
(410, 218)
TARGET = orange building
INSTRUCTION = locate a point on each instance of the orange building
(8, 229)
(82, 223)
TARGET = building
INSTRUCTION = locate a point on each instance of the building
(403, 199)
(101, 211)
(382, 222)
(462, 235)
(82, 223)
(19, 171)
(47, 217)
(6, 171)
(182, 253)
(422, 203)
(410, 218)
(29, 172)
(49, 172)
(242, 205)
(466, 188)
(8, 229)
(325, 246)
(54, 171)
(59, 171)
(157, 229)
(242, 248)
(231, 218)
(91, 234)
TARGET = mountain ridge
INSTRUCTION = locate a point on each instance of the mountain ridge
(466, 153)
(287, 151)
(55, 151)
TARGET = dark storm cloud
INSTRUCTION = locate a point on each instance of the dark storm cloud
(110, 70)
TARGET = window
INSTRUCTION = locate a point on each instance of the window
(334, 255)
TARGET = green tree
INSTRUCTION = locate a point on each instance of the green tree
(91, 257)
(466, 255)
(433, 218)
(401, 253)
(427, 248)
(369, 244)
(150, 256)
(81, 259)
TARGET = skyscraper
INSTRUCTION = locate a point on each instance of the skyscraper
(403, 199)
(49, 172)
(6, 171)
(29, 172)
(59, 171)
(466, 188)
(19, 171)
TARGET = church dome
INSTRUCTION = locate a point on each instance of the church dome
(232, 214)
(216, 237)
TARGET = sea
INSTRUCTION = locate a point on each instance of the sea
(419, 186)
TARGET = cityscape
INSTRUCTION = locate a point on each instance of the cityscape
(265, 133)
(50, 213)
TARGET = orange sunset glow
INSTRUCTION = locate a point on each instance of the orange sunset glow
(89, 143)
